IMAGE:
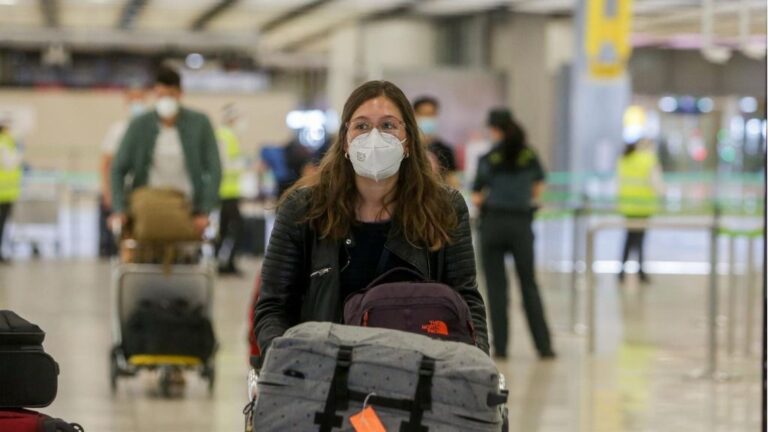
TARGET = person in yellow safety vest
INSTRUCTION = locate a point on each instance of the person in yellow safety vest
(10, 178)
(231, 222)
(639, 184)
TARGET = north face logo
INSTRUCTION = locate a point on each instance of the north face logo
(436, 327)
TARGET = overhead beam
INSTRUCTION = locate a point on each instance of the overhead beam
(378, 14)
(130, 12)
(291, 15)
(205, 18)
(141, 42)
(49, 9)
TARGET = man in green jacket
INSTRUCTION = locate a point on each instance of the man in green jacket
(169, 147)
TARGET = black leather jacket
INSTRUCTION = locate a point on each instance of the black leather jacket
(300, 274)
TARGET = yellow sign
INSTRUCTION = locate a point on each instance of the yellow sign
(607, 37)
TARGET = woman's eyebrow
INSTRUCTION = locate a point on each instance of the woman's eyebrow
(385, 117)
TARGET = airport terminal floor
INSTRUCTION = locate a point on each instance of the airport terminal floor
(650, 344)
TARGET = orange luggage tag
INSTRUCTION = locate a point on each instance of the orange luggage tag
(367, 420)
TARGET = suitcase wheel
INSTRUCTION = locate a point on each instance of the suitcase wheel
(114, 371)
(209, 373)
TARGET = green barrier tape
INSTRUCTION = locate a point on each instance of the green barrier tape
(554, 214)
(740, 233)
(566, 178)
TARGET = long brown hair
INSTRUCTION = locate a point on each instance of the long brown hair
(422, 207)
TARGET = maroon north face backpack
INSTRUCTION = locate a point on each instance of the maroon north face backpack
(401, 299)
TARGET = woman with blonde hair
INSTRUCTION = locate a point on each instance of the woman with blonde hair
(374, 205)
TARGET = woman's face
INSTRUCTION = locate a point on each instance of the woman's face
(379, 112)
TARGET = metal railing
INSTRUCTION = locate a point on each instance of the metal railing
(714, 230)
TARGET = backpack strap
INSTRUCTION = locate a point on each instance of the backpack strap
(403, 273)
(423, 398)
(338, 393)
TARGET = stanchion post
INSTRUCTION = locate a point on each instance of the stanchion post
(712, 300)
(590, 286)
(750, 296)
(574, 294)
(732, 290)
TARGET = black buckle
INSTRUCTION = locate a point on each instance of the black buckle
(344, 356)
(427, 367)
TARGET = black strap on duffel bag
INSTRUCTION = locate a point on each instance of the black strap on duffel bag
(28, 375)
(340, 395)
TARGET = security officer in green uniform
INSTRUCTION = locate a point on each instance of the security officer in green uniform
(10, 178)
(510, 180)
(231, 221)
(639, 178)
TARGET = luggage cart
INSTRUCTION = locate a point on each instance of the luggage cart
(191, 278)
(35, 218)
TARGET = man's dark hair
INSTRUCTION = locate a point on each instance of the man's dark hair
(168, 76)
(425, 100)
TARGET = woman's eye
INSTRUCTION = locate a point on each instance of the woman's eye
(388, 126)
(362, 126)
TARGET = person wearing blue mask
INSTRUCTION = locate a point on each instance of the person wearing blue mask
(135, 102)
(427, 111)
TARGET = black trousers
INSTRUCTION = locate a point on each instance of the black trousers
(230, 230)
(502, 233)
(633, 242)
(107, 244)
(5, 213)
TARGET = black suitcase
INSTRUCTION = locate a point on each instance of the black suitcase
(169, 328)
(28, 375)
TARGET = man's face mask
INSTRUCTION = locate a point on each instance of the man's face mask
(167, 107)
(428, 125)
(137, 109)
(376, 155)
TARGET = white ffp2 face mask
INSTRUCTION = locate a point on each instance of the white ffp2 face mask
(376, 155)
(167, 107)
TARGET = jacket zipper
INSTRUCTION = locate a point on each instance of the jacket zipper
(347, 243)
(321, 272)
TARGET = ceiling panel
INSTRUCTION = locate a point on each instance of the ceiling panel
(171, 14)
(243, 19)
(89, 14)
(327, 16)
(248, 15)
(23, 13)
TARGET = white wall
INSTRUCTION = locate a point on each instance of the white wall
(68, 125)
(398, 44)
(531, 49)
(366, 51)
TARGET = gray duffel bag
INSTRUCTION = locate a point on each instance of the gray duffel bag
(319, 374)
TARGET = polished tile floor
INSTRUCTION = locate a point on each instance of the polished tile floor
(650, 342)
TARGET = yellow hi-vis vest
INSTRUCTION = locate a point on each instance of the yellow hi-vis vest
(230, 181)
(637, 196)
(10, 177)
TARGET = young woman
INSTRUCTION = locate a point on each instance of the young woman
(509, 182)
(373, 205)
